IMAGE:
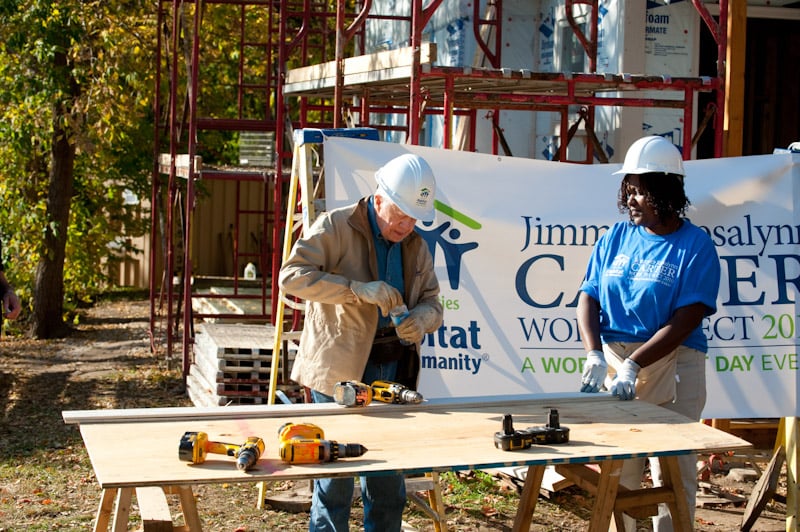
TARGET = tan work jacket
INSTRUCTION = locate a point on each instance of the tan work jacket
(338, 333)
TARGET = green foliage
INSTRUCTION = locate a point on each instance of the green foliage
(86, 69)
(477, 491)
(103, 52)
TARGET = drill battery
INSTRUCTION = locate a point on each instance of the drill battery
(307, 431)
(513, 440)
(352, 393)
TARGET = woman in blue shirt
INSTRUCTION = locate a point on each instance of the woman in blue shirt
(649, 284)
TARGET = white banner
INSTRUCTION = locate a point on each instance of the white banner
(510, 243)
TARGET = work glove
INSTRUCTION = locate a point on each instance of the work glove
(624, 384)
(378, 293)
(595, 370)
(419, 320)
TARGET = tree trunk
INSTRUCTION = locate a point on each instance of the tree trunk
(48, 291)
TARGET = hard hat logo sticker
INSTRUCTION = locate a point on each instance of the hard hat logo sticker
(424, 194)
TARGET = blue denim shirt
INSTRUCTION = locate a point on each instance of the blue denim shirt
(390, 259)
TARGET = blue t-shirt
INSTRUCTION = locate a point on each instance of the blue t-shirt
(640, 279)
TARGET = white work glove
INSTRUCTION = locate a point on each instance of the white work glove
(378, 293)
(595, 370)
(624, 384)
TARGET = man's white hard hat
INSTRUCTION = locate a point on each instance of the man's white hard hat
(652, 154)
(408, 181)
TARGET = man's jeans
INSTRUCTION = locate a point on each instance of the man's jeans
(384, 497)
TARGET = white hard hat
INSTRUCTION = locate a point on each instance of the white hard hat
(652, 154)
(408, 181)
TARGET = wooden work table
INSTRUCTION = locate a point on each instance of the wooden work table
(435, 436)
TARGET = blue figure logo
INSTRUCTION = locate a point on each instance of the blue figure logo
(452, 251)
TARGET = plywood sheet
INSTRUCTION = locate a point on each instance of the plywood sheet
(400, 439)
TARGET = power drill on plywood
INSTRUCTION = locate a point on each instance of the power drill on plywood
(355, 393)
(305, 443)
(195, 446)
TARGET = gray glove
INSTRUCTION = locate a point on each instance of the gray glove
(624, 384)
(378, 293)
(419, 321)
(410, 330)
(595, 370)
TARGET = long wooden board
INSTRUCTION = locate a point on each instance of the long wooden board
(378, 66)
(400, 439)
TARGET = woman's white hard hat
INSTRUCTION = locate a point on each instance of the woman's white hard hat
(407, 180)
(652, 154)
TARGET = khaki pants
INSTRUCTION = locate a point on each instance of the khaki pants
(682, 390)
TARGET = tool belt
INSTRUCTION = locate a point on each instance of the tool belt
(387, 347)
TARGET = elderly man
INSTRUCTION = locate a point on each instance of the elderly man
(353, 267)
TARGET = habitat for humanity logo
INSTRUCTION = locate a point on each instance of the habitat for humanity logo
(462, 340)
(422, 200)
(452, 250)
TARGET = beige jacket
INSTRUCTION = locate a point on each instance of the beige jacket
(337, 334)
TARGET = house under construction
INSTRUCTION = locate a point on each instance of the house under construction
(567, 80)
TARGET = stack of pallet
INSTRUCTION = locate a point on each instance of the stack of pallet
(232, 364)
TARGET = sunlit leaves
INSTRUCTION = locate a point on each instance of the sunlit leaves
(93, 58)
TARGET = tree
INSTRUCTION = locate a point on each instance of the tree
(75, 86)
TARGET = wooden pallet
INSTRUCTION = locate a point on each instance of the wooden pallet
(232, 365)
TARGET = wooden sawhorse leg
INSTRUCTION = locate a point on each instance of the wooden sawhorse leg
(122, 511)
(606, 496)
(103, 515)
(434, 506)
(679, 506)
(188, 507)
(436, 503)
(612, 500)
(528, 498)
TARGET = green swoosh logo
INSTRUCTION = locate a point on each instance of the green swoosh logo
(456, 215)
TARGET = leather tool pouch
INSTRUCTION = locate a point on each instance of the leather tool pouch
(387, 347)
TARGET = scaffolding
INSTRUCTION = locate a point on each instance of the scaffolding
(302, 64)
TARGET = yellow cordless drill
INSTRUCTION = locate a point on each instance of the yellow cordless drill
(194, 446)
(305, 443)
(393, 392)
(355, 393)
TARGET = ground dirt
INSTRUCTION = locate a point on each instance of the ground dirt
(47, 482)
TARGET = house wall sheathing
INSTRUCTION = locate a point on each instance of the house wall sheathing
(296, 34)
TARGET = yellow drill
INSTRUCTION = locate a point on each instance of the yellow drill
(355, 393)
(194, 446)
(305, 443)
(393, 392)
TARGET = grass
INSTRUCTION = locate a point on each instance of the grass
(38, 491)
(46, 478)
